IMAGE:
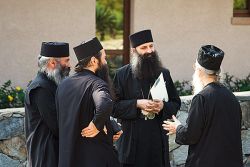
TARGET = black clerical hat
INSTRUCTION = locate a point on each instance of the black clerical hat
(140, 37)
(89, 48)
(210, 57)
(54, 49)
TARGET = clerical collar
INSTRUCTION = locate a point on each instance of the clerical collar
(213, 83)
(88, 71)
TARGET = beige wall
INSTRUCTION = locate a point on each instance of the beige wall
(25, 24)
(180, 27)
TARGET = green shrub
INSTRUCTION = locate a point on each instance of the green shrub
(114, 62)
(231, 82)
(235, 84)
(183, 88)
(11, 97)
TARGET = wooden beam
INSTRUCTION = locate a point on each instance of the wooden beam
(248, 6)
(126, 30)
(114, 52)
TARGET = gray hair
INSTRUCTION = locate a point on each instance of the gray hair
(52, 74)
(208, 72)
(43, 62)
(134, 58)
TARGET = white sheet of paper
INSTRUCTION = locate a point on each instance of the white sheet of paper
(158, 90)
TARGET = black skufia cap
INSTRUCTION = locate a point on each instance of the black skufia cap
(54, 49)
(210, 57)
(89, 48)
(140, 37)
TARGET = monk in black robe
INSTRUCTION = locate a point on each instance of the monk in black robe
(41, 127)
(84, 104)
(143, 143)
(213, 126)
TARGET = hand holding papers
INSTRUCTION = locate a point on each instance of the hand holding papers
(158, 93)
(158, 90)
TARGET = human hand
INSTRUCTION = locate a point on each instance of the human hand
(90, 131)
(158, 106)
(146, 105)
(117, 135)
(171, 126)
(105, 130)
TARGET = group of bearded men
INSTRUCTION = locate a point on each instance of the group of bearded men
(71, 121)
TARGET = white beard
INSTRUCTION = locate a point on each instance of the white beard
(197, 84)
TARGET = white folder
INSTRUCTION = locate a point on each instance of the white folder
(158, 90)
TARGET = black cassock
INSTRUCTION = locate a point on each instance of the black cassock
(143, 142)
(41, 128)
(213, 129)
(80, 99)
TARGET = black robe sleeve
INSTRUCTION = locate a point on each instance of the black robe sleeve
(191, 132)
(126, 109)
(173, 105)
(123, 108)
(103, 106)
(45, 102)
(115, 126)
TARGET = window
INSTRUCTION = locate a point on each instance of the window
(113, 29)
(241, 8)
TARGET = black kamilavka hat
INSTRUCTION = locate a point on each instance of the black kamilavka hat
(89, 48)
(140, 37)
(54, 49)
(210, 57)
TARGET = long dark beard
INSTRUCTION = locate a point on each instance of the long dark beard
(147, 66)
(103, 73)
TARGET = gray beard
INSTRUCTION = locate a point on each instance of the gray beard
(56, 75)
(197, 84)
(134, 61)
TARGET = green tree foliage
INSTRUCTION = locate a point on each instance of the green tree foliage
(109, 18)
(240, 4)
(105, 21)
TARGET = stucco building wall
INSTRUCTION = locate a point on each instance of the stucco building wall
(181, 27)
(25, 24)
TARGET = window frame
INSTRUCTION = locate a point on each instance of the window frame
(242, 12)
